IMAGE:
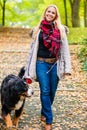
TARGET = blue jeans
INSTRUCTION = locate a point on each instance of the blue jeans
(48, 82)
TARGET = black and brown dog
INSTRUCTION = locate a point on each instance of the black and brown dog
(14, 91)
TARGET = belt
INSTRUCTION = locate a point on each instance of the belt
(48, 60)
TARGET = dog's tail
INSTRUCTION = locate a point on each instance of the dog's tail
(21, 73)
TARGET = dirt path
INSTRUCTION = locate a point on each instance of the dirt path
(70, 105)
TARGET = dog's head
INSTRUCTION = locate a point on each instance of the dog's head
(21, 74)
(19, 87)
(23, 89)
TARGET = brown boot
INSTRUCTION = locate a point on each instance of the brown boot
(48, 127)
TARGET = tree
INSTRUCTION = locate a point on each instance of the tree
(28, 13)
(75, 5)
(2, 4)
(85, 13)
(66, 22)
(19, 12)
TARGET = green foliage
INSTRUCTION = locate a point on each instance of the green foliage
(85, 66)
(77, 35)
(83, 54)
(81, 13)
(16, 15)
(29, 12)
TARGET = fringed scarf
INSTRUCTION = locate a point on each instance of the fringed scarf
(51, 37)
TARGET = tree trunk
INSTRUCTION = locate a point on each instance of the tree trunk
(66, 22)
(75, 4)
(3, 13)
(85, 13)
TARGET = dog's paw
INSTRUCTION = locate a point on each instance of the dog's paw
(15, 122)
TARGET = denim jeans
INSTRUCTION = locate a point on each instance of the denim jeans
(48, 81)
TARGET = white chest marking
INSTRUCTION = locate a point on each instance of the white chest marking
(18, 105)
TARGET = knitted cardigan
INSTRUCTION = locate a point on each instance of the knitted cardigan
(63, 63)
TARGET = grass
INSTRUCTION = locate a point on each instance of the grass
(77, 35)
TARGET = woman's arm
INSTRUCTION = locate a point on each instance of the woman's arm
(66, 54)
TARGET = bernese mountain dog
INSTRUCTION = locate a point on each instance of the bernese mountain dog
(14, 91)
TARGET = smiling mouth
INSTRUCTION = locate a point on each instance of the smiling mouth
(49, 17)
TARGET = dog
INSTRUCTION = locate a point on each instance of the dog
(14, 91)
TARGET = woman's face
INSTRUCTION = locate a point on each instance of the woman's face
(50, 14)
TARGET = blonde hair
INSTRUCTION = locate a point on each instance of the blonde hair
(57, 21)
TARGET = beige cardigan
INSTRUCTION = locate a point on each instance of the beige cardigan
(63, 64)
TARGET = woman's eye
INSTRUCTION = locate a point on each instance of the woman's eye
(48, 11)
(53, 12)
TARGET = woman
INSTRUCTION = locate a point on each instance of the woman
(49, 60)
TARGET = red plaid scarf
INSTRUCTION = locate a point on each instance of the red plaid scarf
(51, 37)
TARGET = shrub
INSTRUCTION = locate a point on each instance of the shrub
(83, 54)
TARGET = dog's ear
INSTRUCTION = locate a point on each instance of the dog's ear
(21, 73)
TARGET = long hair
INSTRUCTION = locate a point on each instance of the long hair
(57, 21)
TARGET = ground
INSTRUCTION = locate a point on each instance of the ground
(70, 105)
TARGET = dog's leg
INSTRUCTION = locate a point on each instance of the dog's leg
(8, 120)
(17, 116)
(15, 121)
(5, 113)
